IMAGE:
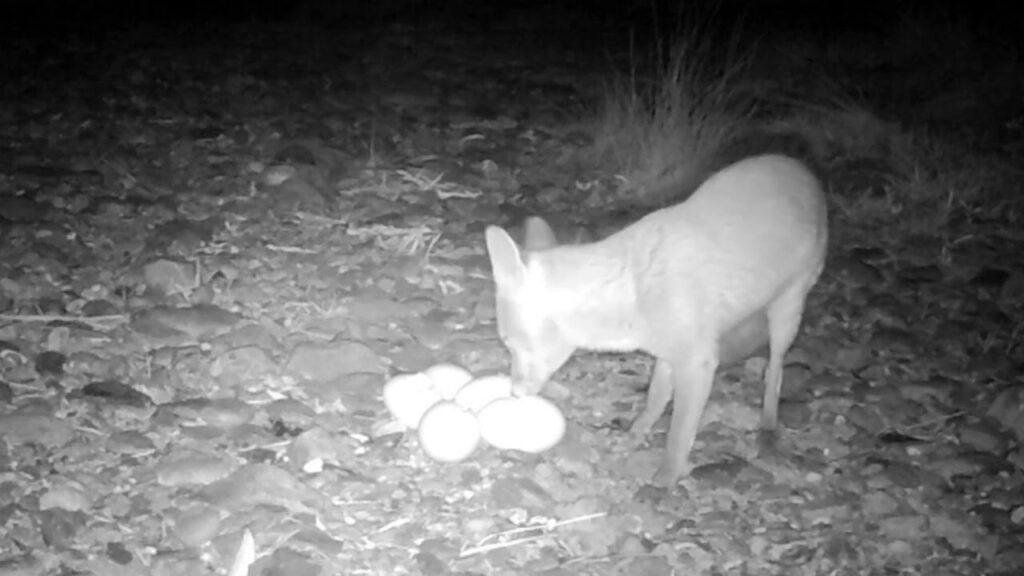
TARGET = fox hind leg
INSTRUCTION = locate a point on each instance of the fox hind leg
(784, 316)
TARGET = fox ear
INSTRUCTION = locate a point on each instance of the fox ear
(538, 235)
(506, 260)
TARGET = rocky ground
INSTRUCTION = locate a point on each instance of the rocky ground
(217, 242)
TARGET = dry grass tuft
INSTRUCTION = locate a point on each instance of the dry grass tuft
(661, 132)
(902, 181)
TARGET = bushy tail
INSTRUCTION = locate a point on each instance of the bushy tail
(675, 186)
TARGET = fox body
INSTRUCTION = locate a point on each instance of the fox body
(693, 284)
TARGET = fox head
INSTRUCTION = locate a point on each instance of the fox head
(526, 306)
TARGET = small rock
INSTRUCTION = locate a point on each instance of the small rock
(984, 438)
(442, 548)
(118, 554)
(89, 364)
(189, 468)
(178, 563)
(632, 546)
(642, 464)
(878, 504)
(911, 528)
(957, 466)
(890, 341)
(856, 272)
(59, 527)
(852, 358)
(1017, 516)
(867, 420)
(170, 326)
(42, 429)
(324, 362)
(50, 363)
(314, 444)
(198, 526)
(70, 496)
(263, 335)
(115, 392)
(262, 484)
(94, 308)
(722, 471)
(167, 276)
(291, 412)
(242, 366)
(902, 474)
(519, 493)
(887, 310)
(479, 526)
(824, 513)
(1008, 410)
(226, 412)
(431, 330)
(429, 564)
(899, 549)
(413, 357)
(796, 379)
(22, 209)
(129, 442)
(300, 192)
(287, 561)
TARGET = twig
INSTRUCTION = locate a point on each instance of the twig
(496, 546)
(482, 548)
(91, 320)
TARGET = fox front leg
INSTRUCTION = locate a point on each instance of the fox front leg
(691, 382)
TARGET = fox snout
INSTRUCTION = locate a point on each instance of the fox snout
(531, 369)
(527, 378)
(521, 388)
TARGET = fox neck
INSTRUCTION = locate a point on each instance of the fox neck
(590, 296)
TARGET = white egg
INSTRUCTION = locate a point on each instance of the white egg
(409, 396)
(449, 432)
(484, 390)
(448, 378)
(530, 424)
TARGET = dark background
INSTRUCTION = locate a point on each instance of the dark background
(803, 14)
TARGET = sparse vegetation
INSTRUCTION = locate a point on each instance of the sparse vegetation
(659, 129)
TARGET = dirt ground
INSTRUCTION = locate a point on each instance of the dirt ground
(218, 240)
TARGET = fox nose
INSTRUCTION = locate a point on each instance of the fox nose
(520, 386)
(526, 387)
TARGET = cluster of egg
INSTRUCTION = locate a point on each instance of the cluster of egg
(452, 412)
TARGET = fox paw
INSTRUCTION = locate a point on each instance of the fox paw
(666, 476)
(636, 439)
(641, 427)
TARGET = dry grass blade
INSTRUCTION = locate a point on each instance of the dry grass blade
(483, 547)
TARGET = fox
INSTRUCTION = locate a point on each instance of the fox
(736, 345)
(694, 284)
